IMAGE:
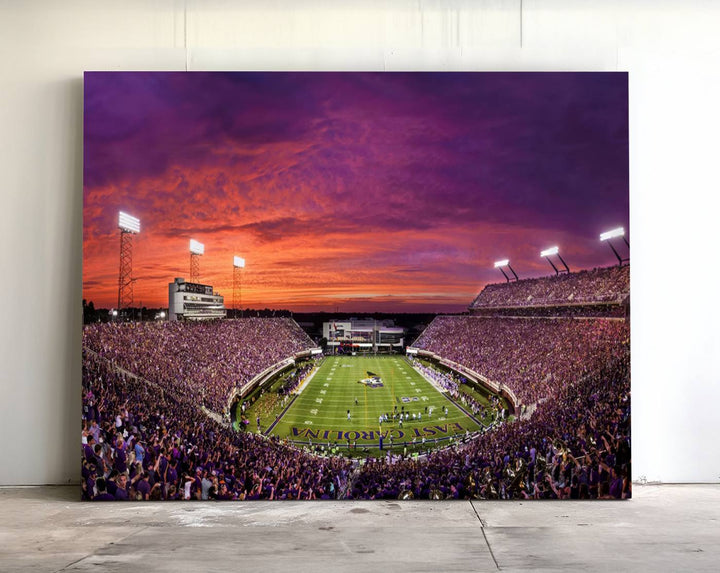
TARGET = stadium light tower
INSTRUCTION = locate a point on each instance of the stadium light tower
(197, 249)
(238, 266)
(128, 226)
(613, 234)
(506, 263)
(547, 253)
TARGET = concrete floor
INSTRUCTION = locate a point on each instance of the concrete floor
(664, 528)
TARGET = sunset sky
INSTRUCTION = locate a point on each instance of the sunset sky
(358, 191)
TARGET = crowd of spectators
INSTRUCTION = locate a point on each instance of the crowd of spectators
(441, 379)
(296, 377)
(494, 410)
(451, 383)
(576, 446)
(201, 361)
(141, 442)
(146, 435)
(601, 285)
(268, 403)
(534, 357)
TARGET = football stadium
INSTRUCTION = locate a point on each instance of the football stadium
(363, 346)
(526, 396)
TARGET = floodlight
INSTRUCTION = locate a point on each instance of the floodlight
(238, 266)
(162, 314)
(614, 233)
(549, 252)
(114, 313)
(506, 263)
(128, 223)
(196, 248)
(128, 226)
(619, 232)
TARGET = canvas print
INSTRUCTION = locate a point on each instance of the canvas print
(326, 286)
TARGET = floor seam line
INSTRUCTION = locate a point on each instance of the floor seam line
(96, 550)
(482, 528)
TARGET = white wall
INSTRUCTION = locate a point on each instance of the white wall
(671, 49)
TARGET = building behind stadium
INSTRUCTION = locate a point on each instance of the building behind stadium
(363, 336)
(194, 301)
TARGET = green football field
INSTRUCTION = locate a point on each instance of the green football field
(319, 413)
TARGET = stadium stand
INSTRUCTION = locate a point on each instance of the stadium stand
(202, 361)
(146, 437)
(532, 356)
(147, 444)
(575, 372)
(601, 286)
(576, 446)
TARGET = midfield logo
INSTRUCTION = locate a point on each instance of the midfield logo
(372, 382)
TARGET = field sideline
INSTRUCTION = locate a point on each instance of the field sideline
(320, 412)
